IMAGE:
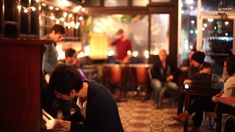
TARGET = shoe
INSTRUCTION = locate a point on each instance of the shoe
(182, 117)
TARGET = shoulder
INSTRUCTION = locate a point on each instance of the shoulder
(97, 90)
(230, 82)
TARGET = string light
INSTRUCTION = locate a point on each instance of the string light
(33, 8)
(26, 10)
(50, 7)
(65, 14)
(19, 7)
(70, 15)
(72, 24)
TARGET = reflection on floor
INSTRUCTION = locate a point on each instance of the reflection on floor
(141, 116)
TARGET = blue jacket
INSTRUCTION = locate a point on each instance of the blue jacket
(101, 112)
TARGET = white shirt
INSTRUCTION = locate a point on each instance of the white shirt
(229, 87)
(82, 107)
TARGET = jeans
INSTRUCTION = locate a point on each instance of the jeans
(159, 89)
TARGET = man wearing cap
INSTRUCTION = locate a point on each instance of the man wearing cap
(200, 74)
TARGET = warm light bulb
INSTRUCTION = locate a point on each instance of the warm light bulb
(146, 54)
(26, 10)
(72, 24)
(77, 8)
(51, 7)
(57, 9)
(52, 17)
(128, 52)
(83, 9)
(43, 4)
(33, 8)
(19, 7)
(210, 19)
(65, 14)
(70, 15)
(77, 25)
(135, 53)
(62, 19)
(80, 18)
(226, 23)
(57, 21)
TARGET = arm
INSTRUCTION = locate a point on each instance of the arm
(115, 42)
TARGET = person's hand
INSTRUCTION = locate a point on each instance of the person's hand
(215, 97)
(65, 124)
(170, 78)
(205, 71)
(184, 68)
(187, 81)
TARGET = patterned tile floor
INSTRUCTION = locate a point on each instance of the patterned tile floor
(142, 116)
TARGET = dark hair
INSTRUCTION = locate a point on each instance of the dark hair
(230, 65)
(120, 31)
(198, 57)
(64, 79)
(70, 52)
(58, 29)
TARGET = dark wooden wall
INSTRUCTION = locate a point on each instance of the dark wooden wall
(20, 75)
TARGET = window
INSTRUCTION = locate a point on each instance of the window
(140, 2)
(159, 33)
(113, 3)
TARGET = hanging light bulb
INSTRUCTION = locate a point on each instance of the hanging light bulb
(44, 5)
(57, 21)
(80, 18)
(65, 14)
(51, 7)
(83, 9)
(62, 19)
(19, 7)
(33, 8)
(72, 24)
(70, 15)
(77, 25)
(26, 10)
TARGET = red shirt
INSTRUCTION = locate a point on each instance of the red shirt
(121, 48)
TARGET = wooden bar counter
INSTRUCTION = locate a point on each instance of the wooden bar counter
(20, 83)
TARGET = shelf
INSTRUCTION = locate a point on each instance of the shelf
(11, 23)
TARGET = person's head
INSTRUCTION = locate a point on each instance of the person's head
(192, 51)
(162, 55)
(198, 59)
(70, 56)
(120, 34)
(66, 82)
(57, 33)
(230, 65)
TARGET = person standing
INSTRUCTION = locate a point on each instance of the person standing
(50, 61)
(122, 46)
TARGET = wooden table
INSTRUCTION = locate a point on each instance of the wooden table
(200, 91)
(225, 105)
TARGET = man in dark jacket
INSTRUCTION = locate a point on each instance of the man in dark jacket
(97, 109)
(163, 78)
(200, 74)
